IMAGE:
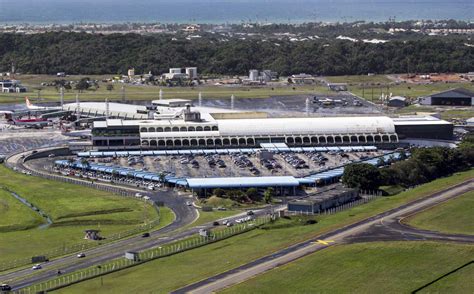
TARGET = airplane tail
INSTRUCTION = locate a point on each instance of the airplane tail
(28, 103)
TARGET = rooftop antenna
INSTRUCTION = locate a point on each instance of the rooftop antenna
(161, 94)
(61, 93)
(232, 98)
(106, 108)
(307, 106)
(123, 93)
(200, 99)
(78, 104)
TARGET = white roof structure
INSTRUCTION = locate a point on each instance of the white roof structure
(419, 120)
(323, 125)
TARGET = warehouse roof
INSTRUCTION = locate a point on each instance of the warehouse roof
(455, 93)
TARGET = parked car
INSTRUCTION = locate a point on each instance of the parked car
(81, 255)
(5, 287)
(216, 223)
(250, 212)
(145, 235)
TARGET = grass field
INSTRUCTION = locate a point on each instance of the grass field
(177, 271)
(73, 209)
(16, 216)
(407, 90)
(359, 79)
(454, 216)
(382, 267)
(133, 92)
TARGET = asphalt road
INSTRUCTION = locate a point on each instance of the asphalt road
(352, 233)
(184, 215)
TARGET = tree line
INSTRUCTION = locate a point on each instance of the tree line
(81, 53)
(424, 165)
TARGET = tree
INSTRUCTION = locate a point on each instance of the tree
(82, 85)
(219, 192)
(268, 195)
(361, 176)
(253, 194)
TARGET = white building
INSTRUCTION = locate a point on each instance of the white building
(191, 72)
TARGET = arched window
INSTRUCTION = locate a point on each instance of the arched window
(167, 129)
(175, 129)
(207, 128)
(191, 129)
(199, 129)
(183, 129)
(214, 128)
(143, 130)
(159, 129)
(151, 130)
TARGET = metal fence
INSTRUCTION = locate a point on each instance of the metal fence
(69, 249)
(365, 199)
(144, 256)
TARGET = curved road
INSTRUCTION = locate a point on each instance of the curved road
(360, 231)
(184, 215)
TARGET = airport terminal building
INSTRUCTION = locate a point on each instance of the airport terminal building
(205, 128)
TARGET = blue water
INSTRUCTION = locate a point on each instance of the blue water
(229, 11)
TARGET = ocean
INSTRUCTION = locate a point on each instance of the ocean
(229, 11)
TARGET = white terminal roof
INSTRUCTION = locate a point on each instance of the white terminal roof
(100, 106)
(325, 125)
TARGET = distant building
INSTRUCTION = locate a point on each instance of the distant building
(423, 127)
(191, 72)
(302, 78)
(12, 86)
(253, 75)
(323, 200)
(453, 97)
(397, 101)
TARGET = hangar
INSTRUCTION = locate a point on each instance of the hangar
(453, 97)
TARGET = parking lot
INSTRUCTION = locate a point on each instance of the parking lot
(240, 165)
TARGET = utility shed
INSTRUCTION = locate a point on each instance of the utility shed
(397, 101)
(453, 97)
(323, 200)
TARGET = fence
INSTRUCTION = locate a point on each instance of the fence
(365, 199)
(144, 256)
(69, 249)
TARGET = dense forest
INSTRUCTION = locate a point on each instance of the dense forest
(81, 53)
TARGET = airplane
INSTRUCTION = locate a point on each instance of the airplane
(34, 107)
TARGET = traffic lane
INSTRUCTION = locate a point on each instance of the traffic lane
(83, 263)
(233, 276)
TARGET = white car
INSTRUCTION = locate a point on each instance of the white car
(146, 198)
(36, 267)
(138, 195)
(81, 255)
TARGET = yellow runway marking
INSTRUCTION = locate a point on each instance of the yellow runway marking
(324, 242)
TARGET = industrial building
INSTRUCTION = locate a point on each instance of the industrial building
(11, 86)
(397, 101)
(323, 200)
(453, 97)
(423, 127)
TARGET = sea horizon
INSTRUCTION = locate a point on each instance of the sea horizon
(229, 12)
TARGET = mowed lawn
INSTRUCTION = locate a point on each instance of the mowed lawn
(454, 216)
(145, 92)
(16, 216)
(166, 274)
(72, 209)
(407, 90)
(381, 267)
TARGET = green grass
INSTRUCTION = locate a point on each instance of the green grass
(209, 216)
(457, 282)
(359, 79)
(391, 190)
(382, 267)
(15, 215)
(454, 216)
(133, 92)
(73, 209)
(177, 271)
(407, 90)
